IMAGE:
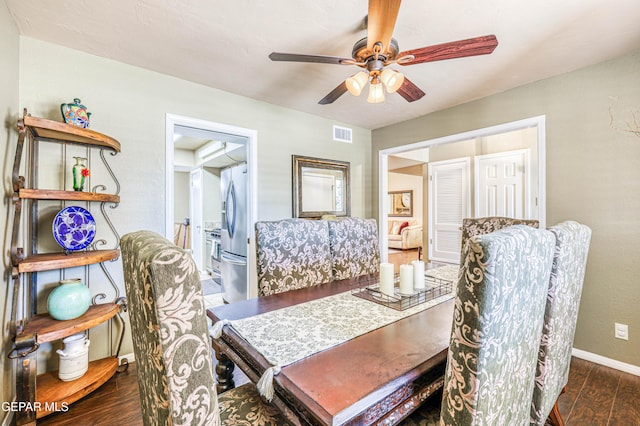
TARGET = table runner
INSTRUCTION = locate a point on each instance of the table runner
(290, 334)
(447, 273)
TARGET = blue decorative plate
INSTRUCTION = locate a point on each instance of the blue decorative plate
(74, 228)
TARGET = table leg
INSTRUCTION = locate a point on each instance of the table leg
(224, 371)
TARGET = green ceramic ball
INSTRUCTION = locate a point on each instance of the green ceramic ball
(69, 300)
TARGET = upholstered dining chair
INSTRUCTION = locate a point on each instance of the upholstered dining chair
(497, 326)
(485, 225)
(292, 254)
(560, 318)
(171, 342)
(354, 247)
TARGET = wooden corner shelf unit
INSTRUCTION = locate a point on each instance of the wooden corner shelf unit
(51, 261)
(52, 390)
(47, 329)
(44, 393)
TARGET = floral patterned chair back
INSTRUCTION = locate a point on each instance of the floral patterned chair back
(560, 318)
(497, 326)
(485, 225)
(171, 341)
(354, 247)
(292, 254)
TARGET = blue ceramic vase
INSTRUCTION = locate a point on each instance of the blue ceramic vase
(69, 300)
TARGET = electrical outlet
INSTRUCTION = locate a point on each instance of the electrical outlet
(621, 331)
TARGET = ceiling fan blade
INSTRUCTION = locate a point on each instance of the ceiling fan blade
(381, 21)
(294, 57)
(455, 49)
(334, 94)
(410, 91)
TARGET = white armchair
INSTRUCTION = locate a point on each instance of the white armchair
(404, 235)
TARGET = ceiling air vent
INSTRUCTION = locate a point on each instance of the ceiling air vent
(342, 134)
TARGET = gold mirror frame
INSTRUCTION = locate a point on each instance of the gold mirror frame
(301, 165)
(401, 203)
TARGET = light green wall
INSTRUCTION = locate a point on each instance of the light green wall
(130, 104)
(180, 196)
(9, 68)
(593, 176)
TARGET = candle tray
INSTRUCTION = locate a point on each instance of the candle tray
(434, 288)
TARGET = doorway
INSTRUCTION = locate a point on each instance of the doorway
(527, 134)
(197, 151)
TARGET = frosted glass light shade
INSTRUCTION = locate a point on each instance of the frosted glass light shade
(376, 93)
(392, 79)
(356, 83)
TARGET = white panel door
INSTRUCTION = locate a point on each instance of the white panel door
(195, 213)
(449, 201)
(501, 184)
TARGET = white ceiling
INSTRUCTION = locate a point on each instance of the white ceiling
(225, 44)
(234, 147)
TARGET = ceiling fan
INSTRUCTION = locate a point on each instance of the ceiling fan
(378, 50)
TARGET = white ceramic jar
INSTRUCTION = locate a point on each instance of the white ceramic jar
(74, 357)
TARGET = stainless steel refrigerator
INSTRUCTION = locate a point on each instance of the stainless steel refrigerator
(233, 257)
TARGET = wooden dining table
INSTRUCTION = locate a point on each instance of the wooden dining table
(379, 377)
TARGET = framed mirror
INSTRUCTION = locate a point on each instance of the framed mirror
(320, 187)
(401, 203)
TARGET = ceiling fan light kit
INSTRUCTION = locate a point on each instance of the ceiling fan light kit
(391, 79)
(376, 92)
(379, 50)
(356, 83)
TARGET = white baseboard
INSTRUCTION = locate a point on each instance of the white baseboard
(607, 362)
(130, 358)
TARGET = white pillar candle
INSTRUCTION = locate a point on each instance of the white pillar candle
(406, 279)
(418, 274)
(386, 278)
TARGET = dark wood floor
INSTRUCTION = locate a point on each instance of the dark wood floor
(595, 396)
(598, 395)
